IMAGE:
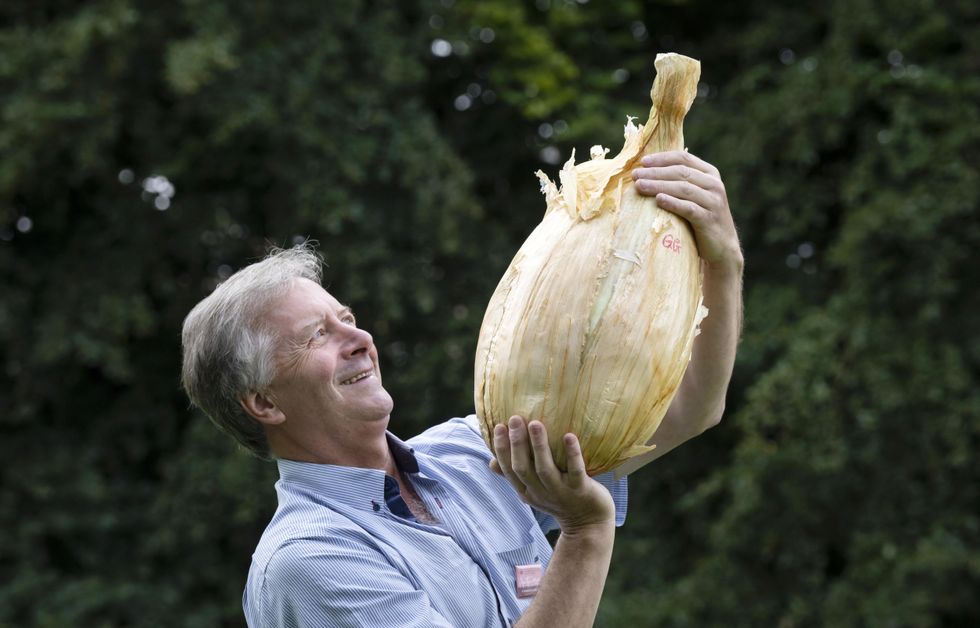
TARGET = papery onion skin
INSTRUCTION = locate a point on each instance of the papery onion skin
(591, 327)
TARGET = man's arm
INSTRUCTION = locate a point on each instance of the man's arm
(692, 188)
(571, 587)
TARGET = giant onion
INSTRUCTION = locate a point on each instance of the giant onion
(591, 327)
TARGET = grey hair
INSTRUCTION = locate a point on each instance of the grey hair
(228, 353)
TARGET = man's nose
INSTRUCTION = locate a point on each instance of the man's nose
(358, 342)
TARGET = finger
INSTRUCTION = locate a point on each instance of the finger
(678, 189)
(692, 212)
(520, 454)
(576, 463)
(678, 172)
(669, 158)
(544, 462)
(501, 446)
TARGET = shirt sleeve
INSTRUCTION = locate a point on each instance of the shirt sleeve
(617, 488)
(439, 436)
(339, 585)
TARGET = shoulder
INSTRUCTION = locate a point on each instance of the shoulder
(286, 539)
(455, 436)
(346, 580)
(312, 569)
(337, 557)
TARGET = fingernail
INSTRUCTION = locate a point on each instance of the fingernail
(635, 174)
(646, 160)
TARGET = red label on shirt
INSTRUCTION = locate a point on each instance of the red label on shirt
(528, 580)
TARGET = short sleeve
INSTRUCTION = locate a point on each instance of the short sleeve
(617, 488)
(340, 584)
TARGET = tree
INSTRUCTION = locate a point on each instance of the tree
(147, 151)
(839, 491)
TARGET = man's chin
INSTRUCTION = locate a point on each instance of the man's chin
(389, 405)
(381, 405)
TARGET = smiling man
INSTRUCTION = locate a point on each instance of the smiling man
(374, 531)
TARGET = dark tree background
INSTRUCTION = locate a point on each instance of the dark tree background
(147, 150)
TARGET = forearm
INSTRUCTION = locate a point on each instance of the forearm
(692, 188)
(713, 357)
(700, 400)
(570, 589)
(572, 585)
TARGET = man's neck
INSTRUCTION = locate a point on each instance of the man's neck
(360, 447)
(363, 445)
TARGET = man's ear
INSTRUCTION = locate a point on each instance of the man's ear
(262, 408)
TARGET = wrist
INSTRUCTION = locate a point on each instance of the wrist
(595, 539)
(588, 531)
(729, 266)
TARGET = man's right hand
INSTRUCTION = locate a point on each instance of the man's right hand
(572, 585)
(577, 502)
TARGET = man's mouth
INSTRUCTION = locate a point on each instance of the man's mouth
(358, 377)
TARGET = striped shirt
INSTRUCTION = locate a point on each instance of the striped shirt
(336, 554)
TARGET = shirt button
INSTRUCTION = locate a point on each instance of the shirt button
(375, 505)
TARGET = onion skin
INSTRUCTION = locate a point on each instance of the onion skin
(591, 327)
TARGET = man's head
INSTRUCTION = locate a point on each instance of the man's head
(270, 348)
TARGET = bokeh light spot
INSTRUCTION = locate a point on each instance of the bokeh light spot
(441, 48)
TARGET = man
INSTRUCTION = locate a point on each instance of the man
(373, 531)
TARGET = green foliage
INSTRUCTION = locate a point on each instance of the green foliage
(839, 491)
(269, 122)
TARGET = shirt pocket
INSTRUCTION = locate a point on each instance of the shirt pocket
(527, 554)
(527, 549)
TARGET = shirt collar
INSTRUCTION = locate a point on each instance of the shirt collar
(363, 489)
(403, 454)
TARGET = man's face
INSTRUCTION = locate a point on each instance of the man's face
(328, 375)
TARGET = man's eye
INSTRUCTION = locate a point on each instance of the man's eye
(318, 333)
(350, 320)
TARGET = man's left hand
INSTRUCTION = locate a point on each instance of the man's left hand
(691, 188)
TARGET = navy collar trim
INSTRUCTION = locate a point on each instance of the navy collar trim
(403, 454)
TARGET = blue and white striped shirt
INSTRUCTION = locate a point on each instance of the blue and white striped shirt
(335, 554)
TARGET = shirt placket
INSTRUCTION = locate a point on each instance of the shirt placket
(453, 520)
